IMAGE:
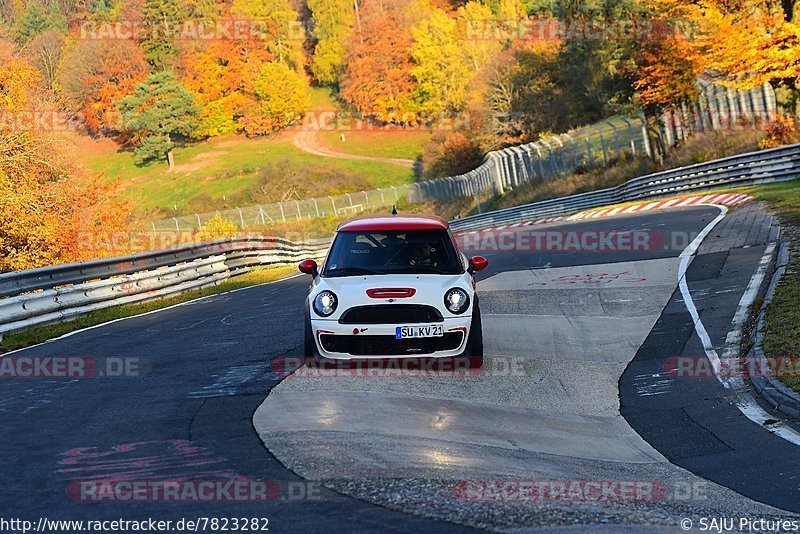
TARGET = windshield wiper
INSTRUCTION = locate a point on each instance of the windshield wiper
(351, 270)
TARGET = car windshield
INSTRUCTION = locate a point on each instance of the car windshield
(414, 252)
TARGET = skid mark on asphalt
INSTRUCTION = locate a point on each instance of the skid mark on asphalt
(39, 395)
(236, 381)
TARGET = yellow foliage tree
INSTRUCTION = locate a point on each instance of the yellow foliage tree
(49, 213)
(217, 227)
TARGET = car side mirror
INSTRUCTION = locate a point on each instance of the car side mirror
(308, 267)
(478, 263)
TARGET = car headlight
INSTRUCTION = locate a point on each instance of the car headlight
(325, 303)
(456, 300)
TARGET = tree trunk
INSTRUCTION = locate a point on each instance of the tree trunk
(358, 22)
(171, 159)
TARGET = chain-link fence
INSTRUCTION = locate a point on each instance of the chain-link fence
(592, 146)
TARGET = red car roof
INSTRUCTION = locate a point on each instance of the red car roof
(394, 223)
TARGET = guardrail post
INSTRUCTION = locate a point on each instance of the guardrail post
(602, 145)
(498, 174)
(648, 150)
(539, 160)
(732, 106)
(631, 134)
(574, 145)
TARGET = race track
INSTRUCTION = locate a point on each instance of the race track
(576, 387)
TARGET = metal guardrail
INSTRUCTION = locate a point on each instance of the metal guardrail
(550, 157)
(63, 292)
(763, 166)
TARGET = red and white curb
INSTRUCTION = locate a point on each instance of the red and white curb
(725, 199)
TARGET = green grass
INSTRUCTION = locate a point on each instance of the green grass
(782, 317)
(39, 334)
(401, 144)
(226, 170)
(323, 98)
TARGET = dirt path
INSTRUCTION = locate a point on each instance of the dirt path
(308, 141)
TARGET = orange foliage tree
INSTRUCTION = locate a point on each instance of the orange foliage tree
(745, 44)
(220, 73)
(48, 212)
(377, 78)
(95, 75)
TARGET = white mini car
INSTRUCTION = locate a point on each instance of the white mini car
(393, 287)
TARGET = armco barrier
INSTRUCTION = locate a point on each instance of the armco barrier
(763, 166)
(62, 292)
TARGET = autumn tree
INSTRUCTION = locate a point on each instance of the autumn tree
(159, 111)
(441, 69)
(279, 98)
(162, 20)
(95, 75)
(333, 21)
(38, 17)
(744, 44)
(667, 73)
(220, 73)
(48, 210)
(377, 78)
(279, 28)
(45, 52)
(475, 24)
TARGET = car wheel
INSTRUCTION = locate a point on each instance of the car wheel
(475, 342)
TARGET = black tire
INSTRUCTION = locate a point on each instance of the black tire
(475, 342)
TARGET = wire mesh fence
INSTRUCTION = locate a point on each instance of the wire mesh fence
(593, 146)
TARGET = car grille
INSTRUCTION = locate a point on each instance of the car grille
(391, 314)
(366, 345)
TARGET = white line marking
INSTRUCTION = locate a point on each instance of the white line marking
(745, 402)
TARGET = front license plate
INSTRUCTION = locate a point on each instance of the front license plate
(430, 330)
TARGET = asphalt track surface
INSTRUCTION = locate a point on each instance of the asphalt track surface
(205, 370)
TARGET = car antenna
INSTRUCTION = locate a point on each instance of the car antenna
(394, 210)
